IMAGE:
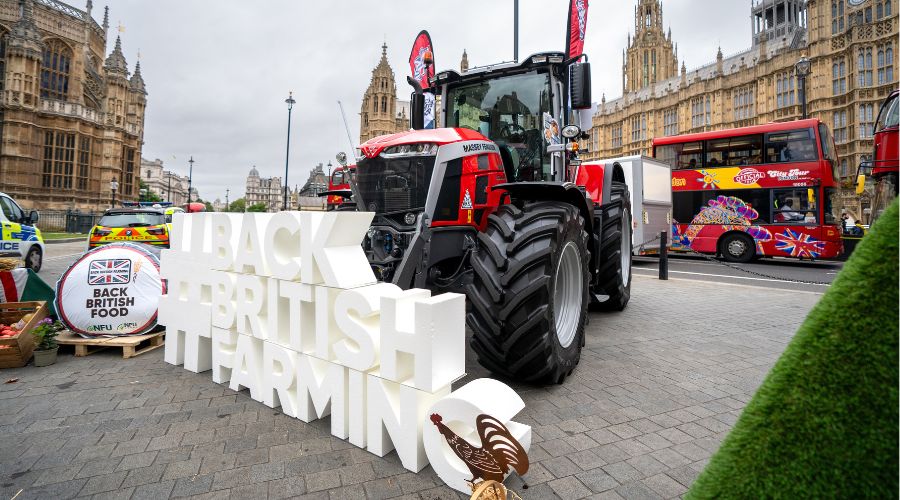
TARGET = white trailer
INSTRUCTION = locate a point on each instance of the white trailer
(650, 184)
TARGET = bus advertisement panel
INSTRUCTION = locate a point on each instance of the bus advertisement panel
(762, 191)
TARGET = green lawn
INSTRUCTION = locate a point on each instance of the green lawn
(60, 236)
(824, 422)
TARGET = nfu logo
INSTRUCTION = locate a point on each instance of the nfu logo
(748, 176)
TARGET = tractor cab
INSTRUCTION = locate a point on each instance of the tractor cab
(521, 107)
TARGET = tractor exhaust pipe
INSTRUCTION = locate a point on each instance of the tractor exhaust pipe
(416, 105)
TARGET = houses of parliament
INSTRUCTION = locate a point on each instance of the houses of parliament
(852, 45)
(71, 116)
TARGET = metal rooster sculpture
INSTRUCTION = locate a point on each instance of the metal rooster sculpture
(499, 450)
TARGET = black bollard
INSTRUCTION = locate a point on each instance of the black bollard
(663, 255)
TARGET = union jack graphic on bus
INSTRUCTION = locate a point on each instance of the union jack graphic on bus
(798, 244)
(109, 272)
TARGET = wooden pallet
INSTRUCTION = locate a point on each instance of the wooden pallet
(131, 345)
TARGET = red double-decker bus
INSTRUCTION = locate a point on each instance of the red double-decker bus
(885, 157)
(762, 191)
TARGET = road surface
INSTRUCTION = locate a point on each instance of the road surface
(58, 258)
(771, 273)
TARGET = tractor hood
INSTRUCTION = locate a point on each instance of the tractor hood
(439, 136)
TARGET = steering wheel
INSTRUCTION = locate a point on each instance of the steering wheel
(512, 132)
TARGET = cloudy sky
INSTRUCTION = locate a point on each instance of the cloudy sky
(218, 71)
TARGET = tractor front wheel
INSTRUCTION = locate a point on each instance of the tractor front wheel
(529, 291)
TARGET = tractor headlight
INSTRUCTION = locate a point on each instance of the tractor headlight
(419, 149)
(409, 219)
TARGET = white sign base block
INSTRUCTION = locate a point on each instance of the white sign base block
(459, 411)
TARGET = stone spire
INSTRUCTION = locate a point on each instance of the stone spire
(719, 65)
(115, 63)
(105, 18)
(137, 81)
(89, 8)
(25, 37)
(464, 63)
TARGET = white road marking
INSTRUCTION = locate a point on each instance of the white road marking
(724, 276)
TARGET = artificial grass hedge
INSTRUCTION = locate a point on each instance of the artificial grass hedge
(824, 422)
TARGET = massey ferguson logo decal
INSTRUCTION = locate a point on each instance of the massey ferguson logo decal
(479, 146)
(109, 272)
(748, 176)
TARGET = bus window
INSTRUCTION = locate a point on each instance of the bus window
(686, 205)
(888, 116)
(735, 151)
(793, 145)
(794, 205)
(678, 156)
(830, 201)
(828, 150)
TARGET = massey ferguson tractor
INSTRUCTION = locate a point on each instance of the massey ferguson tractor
(498, 206)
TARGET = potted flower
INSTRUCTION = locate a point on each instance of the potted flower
(45, 341)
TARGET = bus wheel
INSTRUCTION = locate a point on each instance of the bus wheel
(738, 247)
(34, 259)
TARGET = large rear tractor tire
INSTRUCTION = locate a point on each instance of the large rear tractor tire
(529, 292)
(614, 275)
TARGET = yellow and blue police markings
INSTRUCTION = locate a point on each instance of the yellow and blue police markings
(23, 241)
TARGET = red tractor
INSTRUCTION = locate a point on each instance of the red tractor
(489, 207)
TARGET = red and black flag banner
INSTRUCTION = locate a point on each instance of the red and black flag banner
(421, 59)
(578, 11)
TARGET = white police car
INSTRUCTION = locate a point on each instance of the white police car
(20, 237)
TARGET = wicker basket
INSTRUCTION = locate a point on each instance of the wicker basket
(16, 351)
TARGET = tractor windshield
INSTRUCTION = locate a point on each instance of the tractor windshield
(513, 111)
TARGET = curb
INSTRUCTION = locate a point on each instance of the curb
(64, 240)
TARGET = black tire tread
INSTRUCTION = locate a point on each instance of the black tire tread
(609, 279)
(511, 313)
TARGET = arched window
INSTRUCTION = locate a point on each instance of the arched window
(55, 70)
(375, 105)
(879, 13)
(384, 104)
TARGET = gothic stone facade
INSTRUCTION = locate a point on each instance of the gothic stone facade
(381, 112)
(853, 49)
(70, 123)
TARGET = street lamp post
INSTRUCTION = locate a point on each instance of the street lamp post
(802, 68)
(226, 200)
(290, 102)
(190, 176)
(113, 187)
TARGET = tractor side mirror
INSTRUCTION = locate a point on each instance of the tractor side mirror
(417, 111)
(580, 85)
(416, 105)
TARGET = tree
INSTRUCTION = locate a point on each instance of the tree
(146, 194)
(209, 206)
(258, 207)
(238, 205)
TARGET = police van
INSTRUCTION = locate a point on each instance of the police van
(20, 237)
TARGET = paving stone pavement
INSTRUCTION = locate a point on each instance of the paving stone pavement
(658, 387)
